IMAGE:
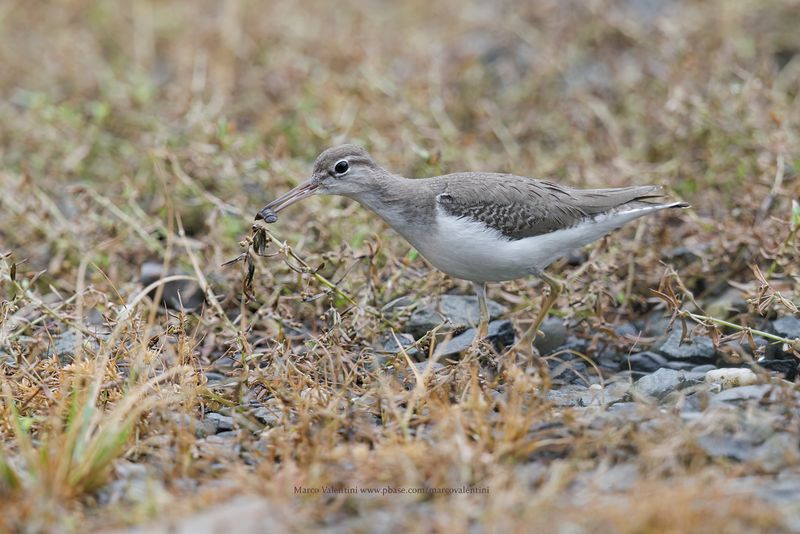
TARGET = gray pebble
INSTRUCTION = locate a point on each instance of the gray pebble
(460, 310)
(744, 393)
(553, 336)
(664, 381)
(697, 350)
(644, 362)
(501, 334)
(788, 327)
(222, 423)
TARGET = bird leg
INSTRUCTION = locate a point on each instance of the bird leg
(483, 326)
(556, 286)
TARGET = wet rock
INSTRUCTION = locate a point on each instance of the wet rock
(225, 363)
(566, 371)
(574, 344)
(698, 349)
(572, 395)
(199, 428)
(788, 327)
(685, 253)
(744, 393)
(460, 310)
(366, 402)
(778, 452)
(731, 377)
(553, 335)
(65, 346)
(501, 335)
(724, 446)
(627, 329)
(184, 295)
(132, 483)
(222, 447)
(269, 416)
(618, 478)
(625, 408)
(391, 344)
(434, 367)
(692, 403)
(125, 469)
(644, 362)
(681, 366)
(659, 383)
(664, 381)
(221, 423)
(653, 326)
(579, 395)
(727, 304)
(612, 392)
(703, 368)
(296, 332)
(785, 368)
(398, 305)
(243, 514)
(408, 377)
(779, 491)
(610, 359)
(215, 379)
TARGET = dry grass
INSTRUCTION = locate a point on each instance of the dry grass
(153, 130)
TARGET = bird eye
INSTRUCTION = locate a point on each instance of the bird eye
(341, 167)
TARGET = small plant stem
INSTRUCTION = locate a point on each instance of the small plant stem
(702, 319)
(287, 251)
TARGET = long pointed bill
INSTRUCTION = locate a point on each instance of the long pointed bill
(306, 189)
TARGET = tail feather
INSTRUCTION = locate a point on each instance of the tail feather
(636, 204)
(598, 201)
(678, 205)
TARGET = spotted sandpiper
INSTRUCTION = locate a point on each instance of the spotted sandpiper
(478, 226)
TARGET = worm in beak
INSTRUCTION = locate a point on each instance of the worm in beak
(269, 212)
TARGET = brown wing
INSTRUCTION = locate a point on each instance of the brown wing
(521, 207)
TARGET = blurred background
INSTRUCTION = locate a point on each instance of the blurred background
(233, 99)
(244, 94)
(138, 133)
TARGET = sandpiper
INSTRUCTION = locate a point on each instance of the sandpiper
(478, 226)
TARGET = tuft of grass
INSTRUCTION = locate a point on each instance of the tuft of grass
(73, 449)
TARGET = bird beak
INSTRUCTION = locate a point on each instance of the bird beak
(306, 189)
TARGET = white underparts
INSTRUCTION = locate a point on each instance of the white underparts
(470, 250)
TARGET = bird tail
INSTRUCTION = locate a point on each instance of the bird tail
(597, 201)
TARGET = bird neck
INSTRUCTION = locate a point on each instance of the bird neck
(394, 198)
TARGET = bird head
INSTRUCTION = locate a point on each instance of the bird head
(346, 170)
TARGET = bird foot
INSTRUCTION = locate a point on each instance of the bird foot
(528, 338)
